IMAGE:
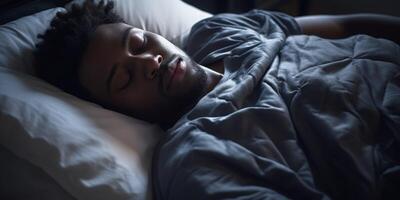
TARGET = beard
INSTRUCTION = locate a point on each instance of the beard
(192, 96)
(182, 103)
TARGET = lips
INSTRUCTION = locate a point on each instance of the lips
(175, 69)
(168, 68)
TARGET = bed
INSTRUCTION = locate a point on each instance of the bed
(60, 147)
(55, 146)
(294, 117)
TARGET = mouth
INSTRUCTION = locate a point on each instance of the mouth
(173, 71)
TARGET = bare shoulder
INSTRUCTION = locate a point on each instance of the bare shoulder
(340, 26)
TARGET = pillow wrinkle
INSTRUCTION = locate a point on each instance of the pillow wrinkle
(90, 152)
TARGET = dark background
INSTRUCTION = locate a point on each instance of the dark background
(301, 7)
(13, 9)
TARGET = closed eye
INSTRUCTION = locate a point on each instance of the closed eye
(140, 47)
(144, 43)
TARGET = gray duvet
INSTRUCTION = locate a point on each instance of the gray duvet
(295, 117)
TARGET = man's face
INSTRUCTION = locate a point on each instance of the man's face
(140, 73)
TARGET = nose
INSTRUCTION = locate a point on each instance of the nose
(152, 65)
(147, 64)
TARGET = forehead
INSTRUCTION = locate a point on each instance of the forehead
(101, 54)
(110, 30)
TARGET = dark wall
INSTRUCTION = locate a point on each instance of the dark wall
(220, 6)
(301, 7)
(13, 9)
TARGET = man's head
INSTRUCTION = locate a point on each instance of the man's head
(91, 53)
(139, 73)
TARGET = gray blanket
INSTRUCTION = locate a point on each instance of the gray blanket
(295, 117)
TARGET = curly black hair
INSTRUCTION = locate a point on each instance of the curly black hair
(58, 54)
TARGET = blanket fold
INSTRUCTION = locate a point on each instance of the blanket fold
(295, 116)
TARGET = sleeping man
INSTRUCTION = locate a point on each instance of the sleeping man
(258, 105)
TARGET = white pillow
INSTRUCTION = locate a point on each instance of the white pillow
(17, 173)
(91, 152)
(18, 38)
(172, 19)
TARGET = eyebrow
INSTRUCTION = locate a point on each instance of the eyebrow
(114, 67)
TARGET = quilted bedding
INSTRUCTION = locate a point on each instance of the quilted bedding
(295, 116)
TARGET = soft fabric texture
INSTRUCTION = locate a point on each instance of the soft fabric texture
(297, 117)
(17, 173)
(92, 153)
(18, 38)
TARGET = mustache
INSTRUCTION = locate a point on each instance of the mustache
(166, 62)
(163, 69)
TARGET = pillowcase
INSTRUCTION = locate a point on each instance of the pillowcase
(92, 153)
(17, 173)
(18, 38)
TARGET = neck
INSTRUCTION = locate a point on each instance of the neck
(213, 78)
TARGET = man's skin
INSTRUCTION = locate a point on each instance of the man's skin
(141, 74)
(341, 26)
